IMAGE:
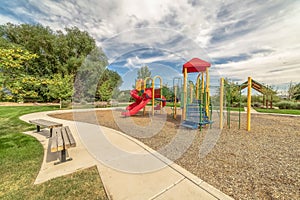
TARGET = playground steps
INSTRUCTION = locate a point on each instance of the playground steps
(193, 116)
(189, 124)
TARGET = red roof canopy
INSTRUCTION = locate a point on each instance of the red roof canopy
(196, 65)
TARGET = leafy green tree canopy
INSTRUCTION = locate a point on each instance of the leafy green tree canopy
(294, 91)
(232, 91)
(143, 72)
(57, 52)
(60, 87)
(13, 62)
(37, 62)
(108, 85)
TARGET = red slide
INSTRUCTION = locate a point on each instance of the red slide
(140, 101)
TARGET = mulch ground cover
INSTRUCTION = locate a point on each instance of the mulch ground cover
(261, 164)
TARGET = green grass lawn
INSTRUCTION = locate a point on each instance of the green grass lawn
(21, 158)
(171, 104)
(236, 109)
(231, 109)
(278, 111)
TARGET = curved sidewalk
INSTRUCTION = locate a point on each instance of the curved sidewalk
(128, 168)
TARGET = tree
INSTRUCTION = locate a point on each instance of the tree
(12, 59)
(37, 39)
(294, 91)
(79, 42)
(33, 57)
(167, 92)
(104, 91)
(108, 85)
(15, 83)
(78, 45)
(57, 52)
(60, 87)
(232, 91)
(88, 75)
(143, 72)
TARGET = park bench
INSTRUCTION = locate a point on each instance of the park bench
(61, 140)
(45, 123)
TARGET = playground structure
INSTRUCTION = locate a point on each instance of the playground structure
(195, 98)
(266, 91)
(196, 112)
(249, 84)
(147, 94)
(225, 90)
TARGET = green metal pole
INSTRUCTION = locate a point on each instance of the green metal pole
(240, 107)
(228, 109)
(200, 116)
(200, 106)
(204, 97)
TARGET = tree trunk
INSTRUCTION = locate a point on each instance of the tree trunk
(271, 105)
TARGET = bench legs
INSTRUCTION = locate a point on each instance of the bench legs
(38, 128)
(51, 130)
(63, 157)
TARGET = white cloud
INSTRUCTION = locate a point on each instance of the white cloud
(134, 62)
(4, 19)
(263, 35)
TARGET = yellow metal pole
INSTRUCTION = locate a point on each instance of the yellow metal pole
(184, 94)
(146, 80)
(202, 84)
(144, 88)
(207, 94)
(249, 104)
(153, 90)
(191, 92)
(221, 102)
(175, 102)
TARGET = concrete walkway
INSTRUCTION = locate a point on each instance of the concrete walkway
(252, 110)
(128, 168)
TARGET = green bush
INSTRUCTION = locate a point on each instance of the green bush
(238, 105)
(284, 105)
(66, 104)
(256, 98)
(288, 105)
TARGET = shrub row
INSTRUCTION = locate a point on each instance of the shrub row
(288, 105)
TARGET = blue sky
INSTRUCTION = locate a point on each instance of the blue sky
(240, 38)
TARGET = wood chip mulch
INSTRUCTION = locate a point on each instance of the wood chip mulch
(261, 164)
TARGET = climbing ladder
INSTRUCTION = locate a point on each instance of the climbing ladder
(194, 117)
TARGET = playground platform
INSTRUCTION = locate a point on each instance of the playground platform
(137, 173)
